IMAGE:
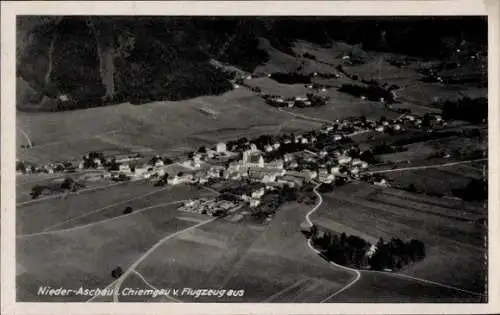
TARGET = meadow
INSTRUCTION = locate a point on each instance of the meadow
(454, 242)
(86, 256)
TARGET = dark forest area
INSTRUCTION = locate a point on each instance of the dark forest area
(74, 62)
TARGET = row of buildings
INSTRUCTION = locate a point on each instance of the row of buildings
(212, 207)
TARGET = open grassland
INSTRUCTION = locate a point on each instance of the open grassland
(88, 207)
(454, 242)
(158, 126)
(169, 196)
(441, 180)
(86, 256)
(271, 263)
(387, 288)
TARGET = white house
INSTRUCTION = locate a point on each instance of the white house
(258, 193)
(124, 168)
(326, 178)
(380, 128)
(254, 203)
(382, 182)
(371, 251)
(344, 159)
(337, 137)
(288, 157)
(159, 162)
(221, 147)
(335, 170)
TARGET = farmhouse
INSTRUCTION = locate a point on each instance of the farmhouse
(221, 147)
(326, 178)
(254, 203)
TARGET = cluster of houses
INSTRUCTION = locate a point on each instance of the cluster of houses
(212, 207)
(297, 101)
(289, 169)
(23, 167)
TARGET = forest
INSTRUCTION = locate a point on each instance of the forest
(355, 252)
(68, 62)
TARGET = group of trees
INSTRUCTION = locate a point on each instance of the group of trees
(354, 251)
(474, 110)
(89, 160)
(100, 60)
(68, 184)
(344, 250)
(291, 78)
(475, 190)
(396, 254)
(371, 92)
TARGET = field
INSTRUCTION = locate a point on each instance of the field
(436, 180)
(86, 256)
(88, 207)
(77, 239)
(270, 263)
(160, 126)
(454, 241)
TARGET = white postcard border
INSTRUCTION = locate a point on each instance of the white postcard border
(363, 8)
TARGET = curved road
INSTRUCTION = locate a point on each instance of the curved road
(357, 273)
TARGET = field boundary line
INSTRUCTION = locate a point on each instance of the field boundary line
(423, 167)
(77, 139)
(404, 276)
(137, 273)
(101, 221)
(65, 194)
(288, 288)
(148, 252)
(305, 117)
(48, 229)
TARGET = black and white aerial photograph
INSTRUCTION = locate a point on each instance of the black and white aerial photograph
(251, 159)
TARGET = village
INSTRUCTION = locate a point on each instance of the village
(326, 157)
